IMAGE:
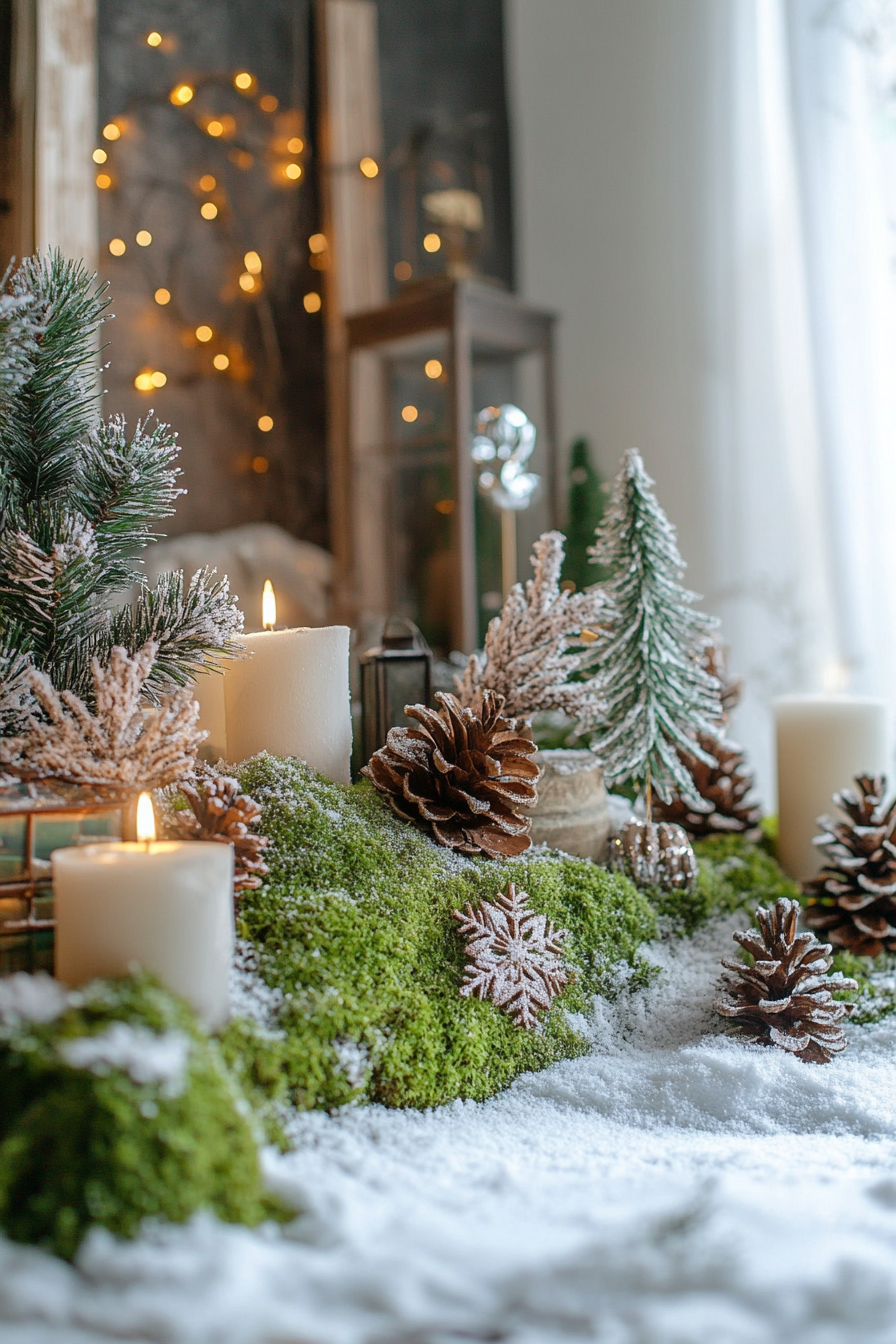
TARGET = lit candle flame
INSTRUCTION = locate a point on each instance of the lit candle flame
(268, 606)
(146, 819)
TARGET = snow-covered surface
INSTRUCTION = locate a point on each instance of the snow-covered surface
(146, 1056)
(672, 1187)
(31, 998)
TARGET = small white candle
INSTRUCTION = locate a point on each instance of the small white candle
(208, 689)
(823, 742)
(165, 905)
(291, 697)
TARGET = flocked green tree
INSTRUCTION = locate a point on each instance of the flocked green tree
(79, 499)
(586, 510)
(649, 661)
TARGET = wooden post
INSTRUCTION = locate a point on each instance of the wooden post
(65, 212)
(354, 226)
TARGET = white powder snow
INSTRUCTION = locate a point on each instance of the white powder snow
(671, 1187)
(147, 1057)
(31, 998)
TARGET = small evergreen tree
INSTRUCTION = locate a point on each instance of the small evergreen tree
(586, 509)
(78, 500)
(649, 666)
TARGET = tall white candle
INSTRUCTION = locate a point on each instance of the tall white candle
(823, 742)
(291, 698)
(165, 905)
(208, 689)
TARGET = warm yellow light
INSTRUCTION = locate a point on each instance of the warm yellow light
(241, 158)
(268, 603)
(207, 182)
(311, 303)
(445, 506)
(247, 282)
(295, 145)
(103, 181)
(265, 423)
(208, 210)
(153, 39)
(144, 238)
(369, 167)
(181, 95)
(143, 381)
(204, 333)
(100, 156)
(215, 128)
(293, 171)
(146, 819)
(162, 296)
(111, 131)
(433, 368)
(409, 414)
(252, 263)
(268, 103)
(317, 243)
(221, 362)
(118, 247)
(432, 242)
(403, 270)
(244, 80)
(260, 465)
(158, 379)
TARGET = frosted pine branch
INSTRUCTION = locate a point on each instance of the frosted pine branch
(534, 648)
(123, 743)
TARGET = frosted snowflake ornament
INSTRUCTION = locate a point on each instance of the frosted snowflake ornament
(514, 956)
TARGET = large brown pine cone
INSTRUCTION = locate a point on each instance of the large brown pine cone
(785, 997)
(218, 811)
(725, 789)
(462, 774)
(853, 900)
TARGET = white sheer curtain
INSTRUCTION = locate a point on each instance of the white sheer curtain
(732, 309)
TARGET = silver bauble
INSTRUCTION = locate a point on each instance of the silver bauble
(655, 854)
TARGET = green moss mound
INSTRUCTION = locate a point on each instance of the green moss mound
(354, 927)
(114, 1107)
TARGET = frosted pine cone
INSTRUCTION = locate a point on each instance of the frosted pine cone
(218, 811)
(785, 997)
(854, 899)
(462, 775)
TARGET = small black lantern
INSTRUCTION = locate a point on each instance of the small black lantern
(396, 673)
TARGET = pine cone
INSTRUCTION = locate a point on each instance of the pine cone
(725, 789)
(462, 774)
(853, 900)
(218, 811)
(785, 998)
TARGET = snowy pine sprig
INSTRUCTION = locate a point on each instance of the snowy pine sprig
(79, 500)
(534, 650)
(649, 664)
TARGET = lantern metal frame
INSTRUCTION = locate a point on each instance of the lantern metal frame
(395, 651)
(475, 319)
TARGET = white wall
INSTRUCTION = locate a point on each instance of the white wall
(647, 136)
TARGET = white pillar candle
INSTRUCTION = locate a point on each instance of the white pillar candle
(166, 905)
(208, 689)
(291, 698)
(823, 742)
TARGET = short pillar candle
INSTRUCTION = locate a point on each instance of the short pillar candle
(291, 698)
(164, 905)
(823, 742)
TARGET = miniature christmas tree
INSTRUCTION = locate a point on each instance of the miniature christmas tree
(586, 511)
(536, 650)
(78, 500)
(649, 665)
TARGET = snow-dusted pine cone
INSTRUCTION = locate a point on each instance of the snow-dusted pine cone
(853, 900)
(725, 789)
(462, 775)
(785, 997)
(218, 811)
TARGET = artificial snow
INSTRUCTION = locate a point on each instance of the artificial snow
(31, 998)
(145, 1056)
(674, 1186)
